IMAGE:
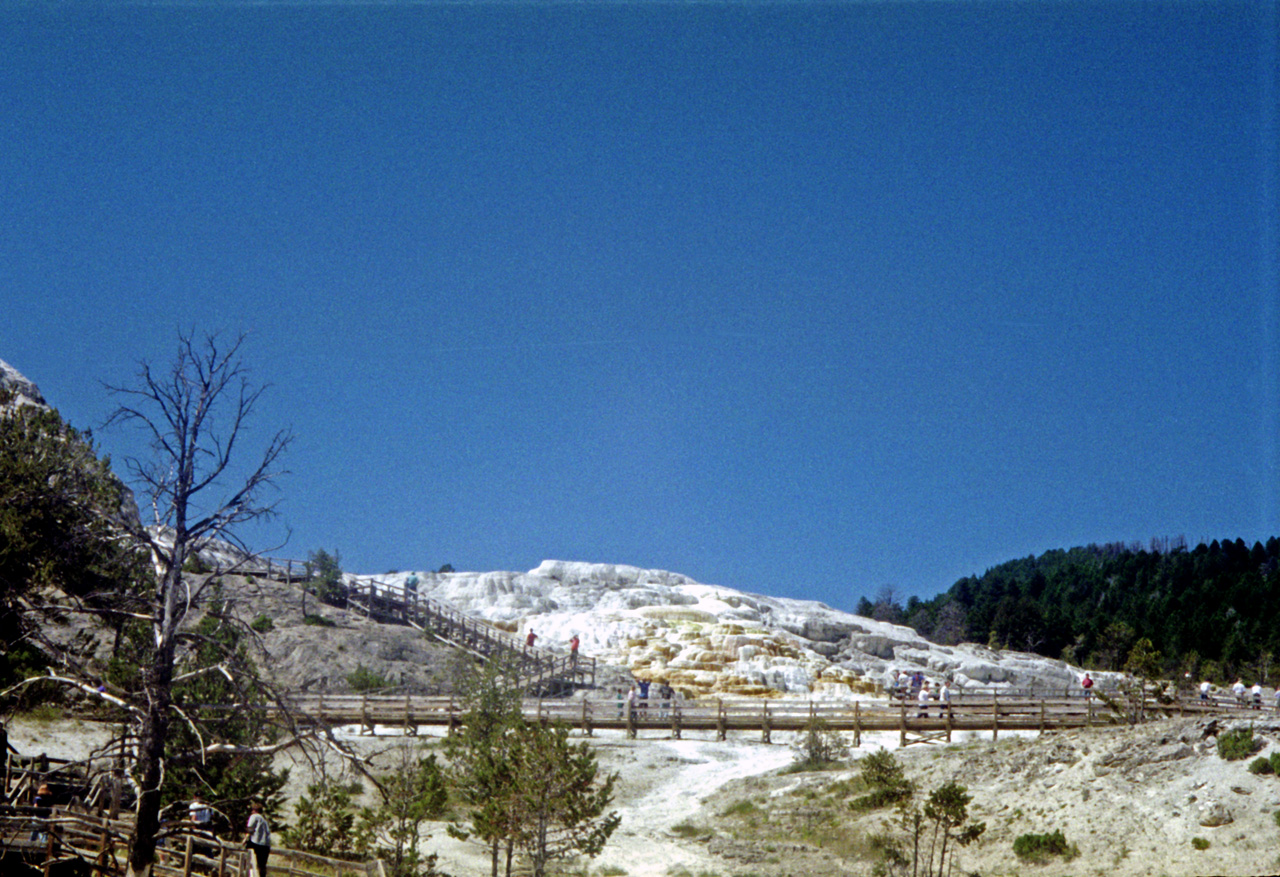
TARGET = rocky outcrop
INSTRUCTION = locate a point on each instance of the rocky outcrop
(16, 391)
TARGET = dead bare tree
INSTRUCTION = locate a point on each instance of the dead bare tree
(195, 413)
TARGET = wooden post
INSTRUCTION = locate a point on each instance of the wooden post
(995, 716)
(722, 732)
(764, 724)
(452, 718)
(1090, 720)
(186, 859)
(947, 708)
(365, 721)
(902, 724)
(586, 719)
(857, 725)
(631, 719)
(48, 848)
(675, 719)
(410, 728)
(1041, 717)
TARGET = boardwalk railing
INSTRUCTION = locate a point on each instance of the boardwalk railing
(968, 711)
(539, 669)
(49, 836)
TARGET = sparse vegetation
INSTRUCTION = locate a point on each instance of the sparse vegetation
(325, 573)
(1236, 744)
(262, 624)
(363, 679)
(1200, 843)
(820, 748)
(1261, 766)
(317, 621)
(1039, 848)
(883, 778)
(687, 829)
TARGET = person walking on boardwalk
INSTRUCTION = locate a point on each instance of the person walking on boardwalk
(1237, 688)
(923, 699)
(258, 839)
(573, 651)
(531, 638)
(1256, 693)
(1204, 689)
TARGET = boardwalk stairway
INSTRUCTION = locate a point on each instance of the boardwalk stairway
(539, 671)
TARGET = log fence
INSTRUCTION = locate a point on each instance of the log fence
(51, 838)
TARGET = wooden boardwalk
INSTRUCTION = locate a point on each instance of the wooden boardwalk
(985, 712)
(57, 838)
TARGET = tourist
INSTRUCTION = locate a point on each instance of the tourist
(1256, 691)
(531, 638)
(258, 839)
(199, 813)
(573, 651)
(923, 699)
(944, 696)
(1204, 690)
(1087, 684)
(1237, 688)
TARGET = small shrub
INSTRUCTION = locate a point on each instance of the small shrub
(1276, 816)
(364, 679)
(1261, 766)
(741, 808)
(262, 624)
(1236, 745)
(821, 748)
(611, 871)
(194, 565)
(316, 621)
(1039, 847)
(1200, 843)
(1275, 762)
(686, 829)
(883, 776)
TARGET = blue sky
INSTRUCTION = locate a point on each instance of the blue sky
(802, 299)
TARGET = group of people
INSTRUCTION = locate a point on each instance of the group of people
(574, 642)
(1242, 695)
(916, 687)
(637, 699)
(257, 837)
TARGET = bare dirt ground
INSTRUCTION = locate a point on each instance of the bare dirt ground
(1130, 799)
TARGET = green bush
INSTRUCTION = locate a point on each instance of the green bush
(262, 624)
(1275, 762)
(1039, 847)
(885, 781)
(364, 679)
(1236, 745)
(316, 621)
(1261, 765)
(1200, 843)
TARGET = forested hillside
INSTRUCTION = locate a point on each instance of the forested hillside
(1210, 611)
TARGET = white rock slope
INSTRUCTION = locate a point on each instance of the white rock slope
(706, 639)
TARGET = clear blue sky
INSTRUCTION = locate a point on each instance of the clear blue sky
(802, 299)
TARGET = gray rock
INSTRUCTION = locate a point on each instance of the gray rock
(1215, 814)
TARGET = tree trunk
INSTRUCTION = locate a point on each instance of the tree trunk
(151, 743)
